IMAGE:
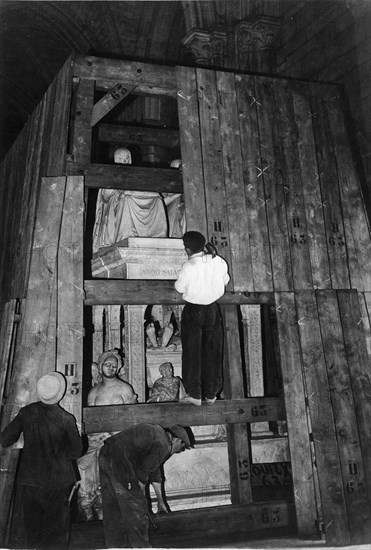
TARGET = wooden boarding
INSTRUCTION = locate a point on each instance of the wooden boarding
(70, 325)
(296, 414)
(359, 372)
(134, 178)
(212, 162)
(164, 137)
(343, 405)
(329, 181)
(262, 279)
(190, 147)
(356, 225)
(239, 448)
(313, 206)
(237, 214)
(7, 326)
(269, 170)
(35, 353)
(144, 292)
(155, 79)
(287, 137)
(322, 421)
(111, 418)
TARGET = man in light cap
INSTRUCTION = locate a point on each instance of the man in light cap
(46, 474)
(129, 461)
(201, 281)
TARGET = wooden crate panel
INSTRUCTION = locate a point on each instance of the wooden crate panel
(296, 413)
(239, 240)
(313, 206)
(190, 146)
(287, 137)
(343, 406)
(270, 170)
(322, 421)
(262, 279)
(212, 161)
(331, 199)
(356, 225)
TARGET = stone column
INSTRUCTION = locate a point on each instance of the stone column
(206, 47)
(254, 41)
(98, 331)
(135, 353)
(251, 319)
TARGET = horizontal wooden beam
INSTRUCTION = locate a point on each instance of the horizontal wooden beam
(154, 79)
(127, 177)
(144, 292)
(127, 135)
(112, 418)
(213, 525)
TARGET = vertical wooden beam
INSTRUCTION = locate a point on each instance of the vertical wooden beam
(343, 405)
(190, 146)
(70, 323)
(82, 131)
(296, 414)
(239, 449)
(322, 422)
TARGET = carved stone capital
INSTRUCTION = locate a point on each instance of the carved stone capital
(207, 47)
(265, 29)
(254, 41)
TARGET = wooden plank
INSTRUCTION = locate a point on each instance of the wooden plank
(343, 407)
(296, 414)
(216, 524)
(190, 147)
(356, 225)
(269, 171)
(102, 107)
(116, 417)
(359, 371)
(237, 215)
(82, 132)
(253, 190)
(155, 79)
(329, 181)
(35, 351)
(288, 137)
(127, 177)
(144, 292)
(307, 161)
(322, 421)
(6, 336)
(162, 137)
(69, 318)
(239, 448)
(212, 161)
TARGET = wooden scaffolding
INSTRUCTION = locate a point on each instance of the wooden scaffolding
(268, 176)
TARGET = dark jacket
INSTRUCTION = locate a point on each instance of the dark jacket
(51, 442)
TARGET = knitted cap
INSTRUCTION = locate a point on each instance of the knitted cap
(194, 240)
(51, 388)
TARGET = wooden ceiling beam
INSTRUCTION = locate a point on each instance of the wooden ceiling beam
(162, 137)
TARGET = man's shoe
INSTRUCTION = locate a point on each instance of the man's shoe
(188, 399)
(210, 401)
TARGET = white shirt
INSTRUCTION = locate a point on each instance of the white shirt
(202, 279)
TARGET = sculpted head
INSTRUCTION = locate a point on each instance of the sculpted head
(122, 155)
(166, 370)
(109, 363)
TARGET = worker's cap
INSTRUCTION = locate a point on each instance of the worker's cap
(181, 432)
(51, 388)
(194, 240)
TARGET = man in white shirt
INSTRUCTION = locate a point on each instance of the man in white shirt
(202, 281)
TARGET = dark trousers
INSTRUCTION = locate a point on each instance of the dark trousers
(125, 508)
(45, 516)
(202, 343)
